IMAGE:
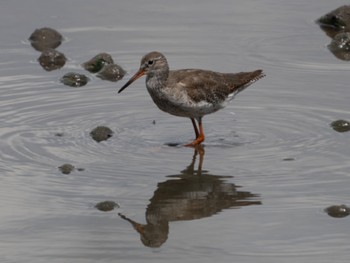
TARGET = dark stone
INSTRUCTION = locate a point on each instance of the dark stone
(74, 79)
(44, 38)
(106, 206)
(340, 46)
(338, 211)
(338, 18)
(66, 168)
(111, 72)
(95, 64)
(336, 21)
(51, 59)
(101, 133)
(340, 126)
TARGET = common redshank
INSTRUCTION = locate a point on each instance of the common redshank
(190, 93)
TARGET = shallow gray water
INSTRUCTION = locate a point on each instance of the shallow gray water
(271, 164)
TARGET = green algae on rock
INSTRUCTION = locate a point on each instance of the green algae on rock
(95, 64)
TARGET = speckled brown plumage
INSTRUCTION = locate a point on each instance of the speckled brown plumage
(210, 86)
(190, 93)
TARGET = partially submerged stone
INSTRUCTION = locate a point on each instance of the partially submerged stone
(106, 206)
(44, 38)
(338, 211)
(336, 21)
(51, 59)
(340, 46)
(101, 133)
(74, 79)
(340, 125)
(338, 18)
(111, 72)
(95, 64)
(66, 168)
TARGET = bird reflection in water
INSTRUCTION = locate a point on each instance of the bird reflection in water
(190, 195)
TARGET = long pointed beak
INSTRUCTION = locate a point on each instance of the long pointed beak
(138, 74)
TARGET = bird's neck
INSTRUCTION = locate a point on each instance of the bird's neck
(157, 79)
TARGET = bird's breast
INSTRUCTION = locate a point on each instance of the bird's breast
(177, 102)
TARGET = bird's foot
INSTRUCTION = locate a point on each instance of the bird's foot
(196, 142)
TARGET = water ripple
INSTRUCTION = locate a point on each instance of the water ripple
(308, 55)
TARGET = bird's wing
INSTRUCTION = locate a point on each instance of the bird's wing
(199, 85)
(210, 86)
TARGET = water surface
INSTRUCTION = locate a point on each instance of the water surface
(256, 193)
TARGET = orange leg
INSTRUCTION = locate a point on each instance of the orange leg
(200, 138)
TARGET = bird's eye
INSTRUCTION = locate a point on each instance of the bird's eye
(150, 62)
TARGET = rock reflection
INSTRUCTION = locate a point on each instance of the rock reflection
(192, 194)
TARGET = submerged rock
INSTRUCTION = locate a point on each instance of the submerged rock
(340, 125)
(95, 64)
(338, 211)
(106, 206)
(340, 46)
(74, 79)
(66, 168)
(338, 18)
(111, 72)
(44, 38)
(336, 21)
(51, 59)
(101, 133)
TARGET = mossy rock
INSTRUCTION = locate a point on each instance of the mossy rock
(95, 64)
